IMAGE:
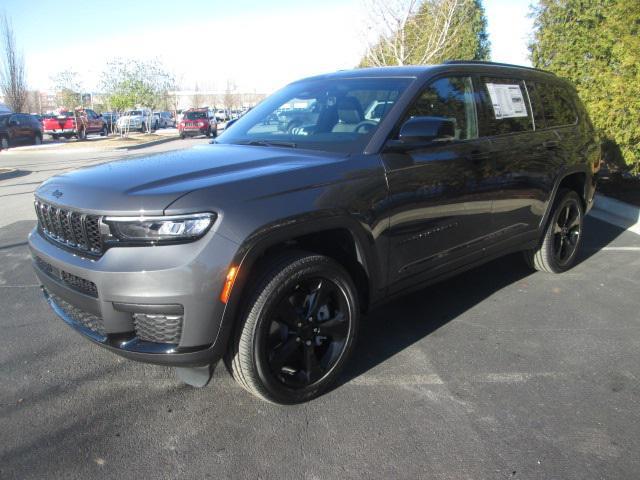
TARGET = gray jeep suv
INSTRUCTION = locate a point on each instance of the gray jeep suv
(267, 247)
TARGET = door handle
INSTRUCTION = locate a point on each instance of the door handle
(550, 144)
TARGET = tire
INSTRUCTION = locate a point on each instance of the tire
(55, 137)
(562, 237)
(104, 132)
(37, 139)
(294, 362)
(4, 143)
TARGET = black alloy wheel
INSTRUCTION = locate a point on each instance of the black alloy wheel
(566, 232)
(561, 242)
(307, 332)
(297, 330)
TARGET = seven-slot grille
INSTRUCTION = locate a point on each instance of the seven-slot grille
(73, 229)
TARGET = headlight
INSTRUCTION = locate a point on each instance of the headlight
(160, 229)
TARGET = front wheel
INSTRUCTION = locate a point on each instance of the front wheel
(562, 237)
(298, 329)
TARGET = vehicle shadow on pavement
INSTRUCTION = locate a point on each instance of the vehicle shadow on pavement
(397, 325)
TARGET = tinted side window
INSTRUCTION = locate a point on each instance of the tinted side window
(451, 98)
(505, 106)
(557, 105)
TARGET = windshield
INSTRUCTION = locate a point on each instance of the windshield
(195, 115)
(325, 114)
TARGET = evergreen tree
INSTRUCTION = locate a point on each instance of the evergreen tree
(596, 45)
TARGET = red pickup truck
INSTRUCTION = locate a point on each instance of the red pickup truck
(77, 123)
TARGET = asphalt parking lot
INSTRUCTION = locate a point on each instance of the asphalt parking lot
(498, 373)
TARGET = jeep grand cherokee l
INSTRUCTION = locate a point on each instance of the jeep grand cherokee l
(267, 247)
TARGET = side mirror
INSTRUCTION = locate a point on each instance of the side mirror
(427, 129)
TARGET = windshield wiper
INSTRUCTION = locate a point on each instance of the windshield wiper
(267, 143)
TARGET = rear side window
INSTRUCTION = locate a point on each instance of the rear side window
(505, 106)
(557, 105)
(536, 105)
(452, 98)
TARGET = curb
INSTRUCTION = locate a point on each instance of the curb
(145, 145)
(617, 213)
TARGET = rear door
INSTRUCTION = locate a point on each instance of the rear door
(440, 214)
(94, 122)
(519, 173)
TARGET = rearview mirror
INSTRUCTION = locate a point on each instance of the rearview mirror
(427, 129)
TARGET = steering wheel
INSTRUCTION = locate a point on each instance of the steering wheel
(364, 124)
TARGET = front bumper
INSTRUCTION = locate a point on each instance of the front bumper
(194, 131)
(174, 281)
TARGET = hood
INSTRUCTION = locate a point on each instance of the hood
(128, 118)
(150, 184)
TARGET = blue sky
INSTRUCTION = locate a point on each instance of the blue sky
(257, 45)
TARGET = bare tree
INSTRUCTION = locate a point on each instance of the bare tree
(67, 88)
(230, 97)
(12, 75)
(401, 32)
(196, 98)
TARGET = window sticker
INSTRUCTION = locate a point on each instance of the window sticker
(507, 100)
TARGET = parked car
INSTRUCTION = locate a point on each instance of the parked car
(198, 121)
(265, 247)
(222, 115)
(165, 120)
(19, 128)
(110, 119)
(75, 123)
(138, 120)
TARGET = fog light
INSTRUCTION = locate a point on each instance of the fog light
(158, 328)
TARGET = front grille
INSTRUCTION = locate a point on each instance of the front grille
(89, 320)
(158, 328)
(73, 229)
(70, 280)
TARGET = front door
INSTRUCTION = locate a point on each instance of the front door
(440, 216)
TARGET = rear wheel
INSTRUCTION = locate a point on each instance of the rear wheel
(298, 329)
(562, 238)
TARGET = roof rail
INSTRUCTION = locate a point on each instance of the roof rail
(498, 64)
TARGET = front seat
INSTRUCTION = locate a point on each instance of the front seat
(349, 114)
